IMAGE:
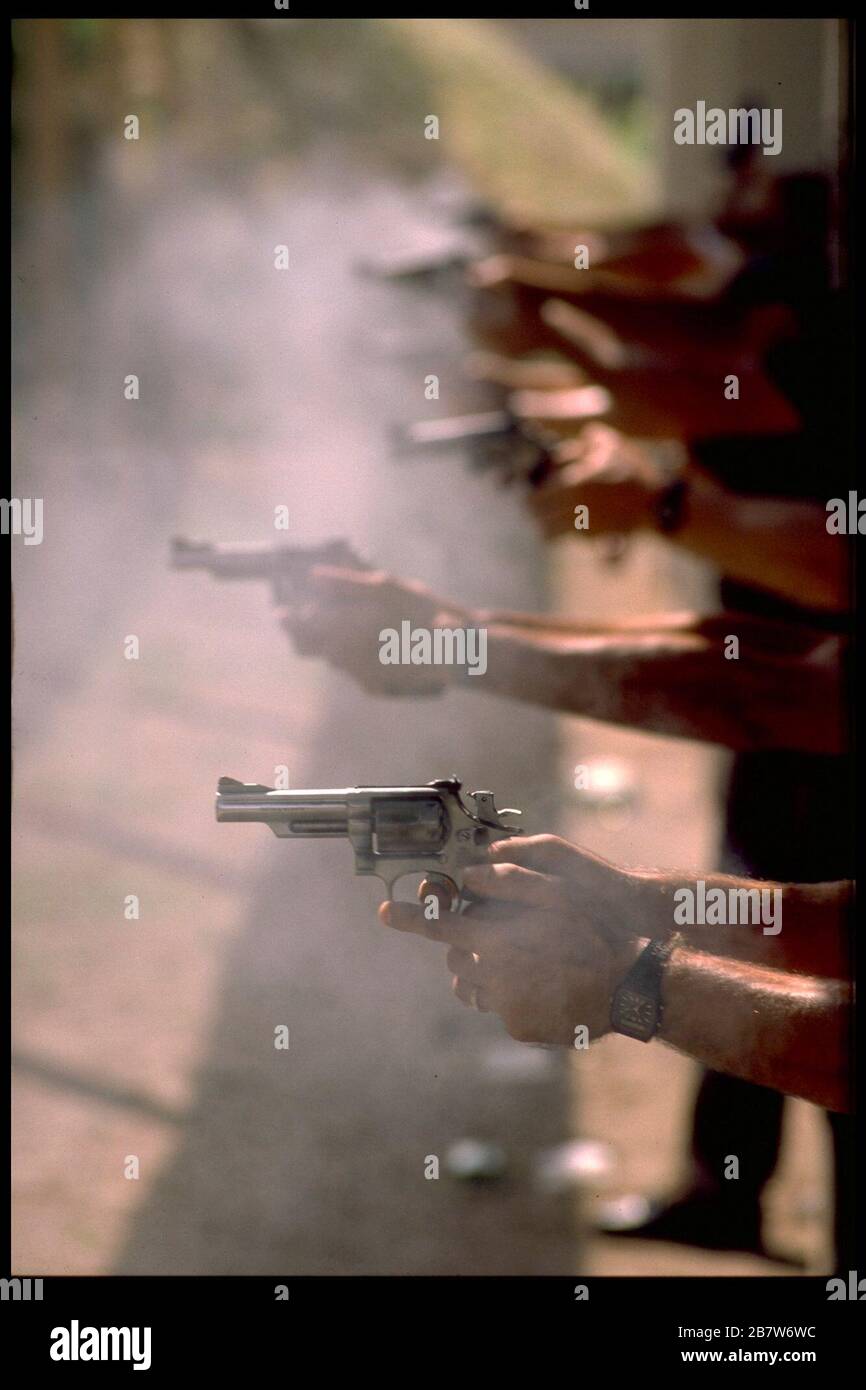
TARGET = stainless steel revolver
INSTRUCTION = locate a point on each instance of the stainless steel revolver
(394, 831)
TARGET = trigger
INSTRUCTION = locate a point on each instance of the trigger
(447, 888)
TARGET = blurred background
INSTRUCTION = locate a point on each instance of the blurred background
(153, 1037)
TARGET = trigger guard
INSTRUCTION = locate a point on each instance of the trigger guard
(458, 898)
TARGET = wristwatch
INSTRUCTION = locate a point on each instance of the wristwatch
(636, 1007)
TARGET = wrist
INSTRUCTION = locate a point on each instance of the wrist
(638, 1003)
(667, 489)
(624, 957)
(647, 901)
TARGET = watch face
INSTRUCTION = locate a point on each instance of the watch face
(634, 1014)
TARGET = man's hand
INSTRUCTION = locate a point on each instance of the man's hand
(343, 621)
(526, 950)
(616, 478)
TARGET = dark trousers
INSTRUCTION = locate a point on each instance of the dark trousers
(737, 1117)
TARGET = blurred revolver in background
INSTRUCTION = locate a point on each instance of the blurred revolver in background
(516, 449)
(495, 440)
(394, 831)
(284, 567)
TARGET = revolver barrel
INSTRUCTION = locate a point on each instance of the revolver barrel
(298, 813)
(497, 440)
(458, 429)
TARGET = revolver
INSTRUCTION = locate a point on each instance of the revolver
(394, 831)
(496, 440)
(285, 567)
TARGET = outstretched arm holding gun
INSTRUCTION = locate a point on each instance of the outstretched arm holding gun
(667, 674)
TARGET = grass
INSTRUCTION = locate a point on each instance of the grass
(533, 145)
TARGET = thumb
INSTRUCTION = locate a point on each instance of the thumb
(550, 854)
(510, 883)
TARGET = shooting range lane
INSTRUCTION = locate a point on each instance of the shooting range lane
(155, 1037)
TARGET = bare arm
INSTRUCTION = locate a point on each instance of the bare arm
(543, 624)
(778, 544)
(679, 683)
(674, 676)
(775, 543)
(801, 927)
(790, 1032)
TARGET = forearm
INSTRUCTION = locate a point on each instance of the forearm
(789, 1032)
(664, 682)
(801, 927)
(777, 544)
(543, 624)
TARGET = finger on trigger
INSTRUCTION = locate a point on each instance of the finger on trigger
(442, 892)
(453, 927)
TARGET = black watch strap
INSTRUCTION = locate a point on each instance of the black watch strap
(636, 1006)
